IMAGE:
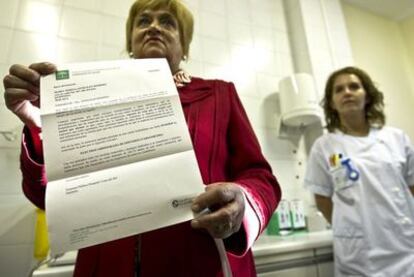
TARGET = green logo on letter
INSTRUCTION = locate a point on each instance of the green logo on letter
(62, 74)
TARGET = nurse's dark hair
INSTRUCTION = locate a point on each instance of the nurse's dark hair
(176, 7)
(374, 108)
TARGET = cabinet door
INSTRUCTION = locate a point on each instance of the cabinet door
(305, 271)
(326, 269)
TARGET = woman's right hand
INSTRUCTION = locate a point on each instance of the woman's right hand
(22, 91)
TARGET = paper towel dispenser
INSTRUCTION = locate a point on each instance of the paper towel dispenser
(299, 102)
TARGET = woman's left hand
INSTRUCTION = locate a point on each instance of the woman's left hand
(226, 204)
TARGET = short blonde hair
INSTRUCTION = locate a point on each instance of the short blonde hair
(176, 7)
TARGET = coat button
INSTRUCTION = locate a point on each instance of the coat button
(406, 220)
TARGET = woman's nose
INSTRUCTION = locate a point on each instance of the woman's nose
(347, 90)
(155, 25)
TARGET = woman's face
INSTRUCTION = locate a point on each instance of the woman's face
(348, 95)
(155, 34)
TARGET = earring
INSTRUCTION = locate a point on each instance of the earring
(131, 54)
(184, 57)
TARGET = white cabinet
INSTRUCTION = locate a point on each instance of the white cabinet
(305, 271)
(306, 255)
(326, 269)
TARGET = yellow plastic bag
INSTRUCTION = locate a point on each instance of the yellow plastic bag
(41, 243)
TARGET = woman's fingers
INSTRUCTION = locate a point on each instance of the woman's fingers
(216, 195)
(43, 68)
(22, 90)
(15, 96)
(24, 73)
(12, 82)
(226, 205)
(223, 222)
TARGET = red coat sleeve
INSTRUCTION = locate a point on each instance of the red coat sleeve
(31, 165)
(247, 165)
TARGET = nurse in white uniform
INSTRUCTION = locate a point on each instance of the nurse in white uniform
(362, 175)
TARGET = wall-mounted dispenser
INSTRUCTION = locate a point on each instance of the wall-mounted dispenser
(299, 103)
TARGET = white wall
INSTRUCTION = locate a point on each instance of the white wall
(381, 47)
(245, 41)
(407, 27)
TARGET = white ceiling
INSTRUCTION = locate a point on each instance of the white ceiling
(393, 9)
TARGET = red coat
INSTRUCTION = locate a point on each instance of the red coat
(226, 150)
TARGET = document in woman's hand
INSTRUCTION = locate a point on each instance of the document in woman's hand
(118, 155)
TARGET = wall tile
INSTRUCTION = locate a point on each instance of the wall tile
(286, 177)
(8, 12)
(11, 141)
(242, 56)
(267, 84)
(5, 38)
(113, 31)
(239, 11)
(216, 6)
(193, 67)
(111, 53)
(9, 160)
(215, 71)
(254, 111)
(38, 16)
(264, 39)
(245, 81)
(4, 69)
(195, 49)
(263, 19)
(16, 260)
(117, 8)
(240, 33)
(55, 2)
(80, 25)
(27, 48)
(265, 61)
(91, 5)
(275, 149)
(8, 122)
(76, 51)
(213, 25)
(210, 54)
(193, 5)
(21, 230)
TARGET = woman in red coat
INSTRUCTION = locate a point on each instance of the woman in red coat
(241, 191)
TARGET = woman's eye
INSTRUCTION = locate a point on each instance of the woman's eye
(354, 86)
(143, 21)
(167, 21)
(338, 89)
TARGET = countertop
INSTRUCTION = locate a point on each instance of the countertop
(270, 244)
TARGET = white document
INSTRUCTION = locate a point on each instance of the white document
(118, 155)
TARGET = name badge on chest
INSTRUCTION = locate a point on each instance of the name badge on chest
(342, 171)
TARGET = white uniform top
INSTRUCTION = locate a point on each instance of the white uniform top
(373, 208)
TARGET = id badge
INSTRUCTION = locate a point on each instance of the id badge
(339, 176)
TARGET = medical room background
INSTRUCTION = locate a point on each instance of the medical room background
(254, 43)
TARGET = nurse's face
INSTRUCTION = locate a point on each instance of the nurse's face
(155, 34)
(348, 95)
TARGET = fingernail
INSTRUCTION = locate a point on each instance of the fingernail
(49, 65)
(196, 208)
